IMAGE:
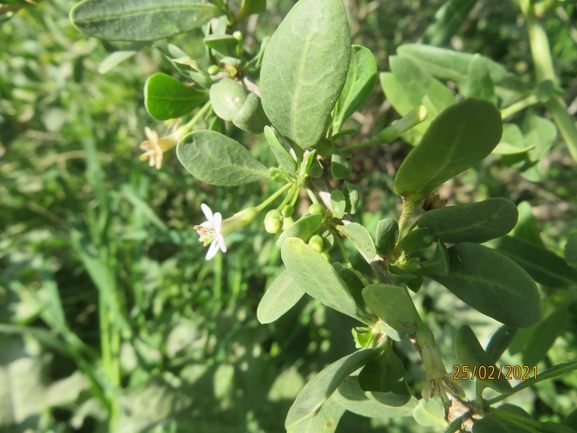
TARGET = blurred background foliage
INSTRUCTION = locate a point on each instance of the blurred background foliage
(89, 235)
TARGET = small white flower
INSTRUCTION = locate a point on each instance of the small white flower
(210, 232)
(155, 147)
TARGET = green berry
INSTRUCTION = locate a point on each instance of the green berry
(238, 35)
(315, 208)
(213, 70)
(287, 223)
(227, 97)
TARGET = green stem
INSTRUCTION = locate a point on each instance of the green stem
(198, 115)
(360, 145)
(344, 252)
(312, 195)
(543, 61)
(273, 197)
(518, 106)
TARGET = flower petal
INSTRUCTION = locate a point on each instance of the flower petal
(220, 241)
(207, 212)
(212, 250)
(217, 222)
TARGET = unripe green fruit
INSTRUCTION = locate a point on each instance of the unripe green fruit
(251, 117)
(273, 221)
(287, 223)
(288, 211)
(213, 70)
(316, 242)
(238, 35)
(227, 98)
(315, 208)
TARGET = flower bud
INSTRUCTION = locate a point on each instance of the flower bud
(288, 211)
(287, 223)
(316, 242)
(273, 221)
(213, 70)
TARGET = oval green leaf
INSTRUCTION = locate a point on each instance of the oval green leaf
(543, 265)
(492, 424)
(227, 98)
(360, 238)
(470, 354)
(140, 20)
(326, 420)
(544, 336)
(492, 284)
(459, 137)
(214, 158)
(323, 385)
(283, 157)
(352, 398)
(304, 69)
(393, 305)
(360, 83)
(281, 296)
(475, 222)
(417, 239)
(317, 277)
(167, 98)
(303, 229)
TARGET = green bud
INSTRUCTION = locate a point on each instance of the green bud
(288, 211)
(315, 208)
(316, 242)
(238, 35)
(287, 223)
(213, 70)
(326, 256)
(410, 265)
(273, 221)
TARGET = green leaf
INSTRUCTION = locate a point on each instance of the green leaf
(360, 83)
(480, 84)
(282, 156)
(471, 355)
(338, 203)
(317, 277)
(167, 98)
(448, 20)
(492, 424)
(430, 413)
(117, 57)
(304, 69)
(475, 222)
(526, 227)
(360, 238)
(384, 378)
(224, 44)
(214, 158)
(351, 196)
(439, 263)
(386, 236)
(500, 341)
(326, 420)
(417, 239)
(418, 83)
(352, 398)
(571, 250)
(544, 266)
(323, 385)
(140, 20)
(512, 142)
(459, 137)
(538, 132)
(249, 7)
(393, 305)
(353, 282)
(304, 228)
(280, 296)
(340, 166)
(492, 284)
(544, 336)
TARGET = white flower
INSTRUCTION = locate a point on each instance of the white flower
(439, 382)
(210, 232)
(155, 147)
